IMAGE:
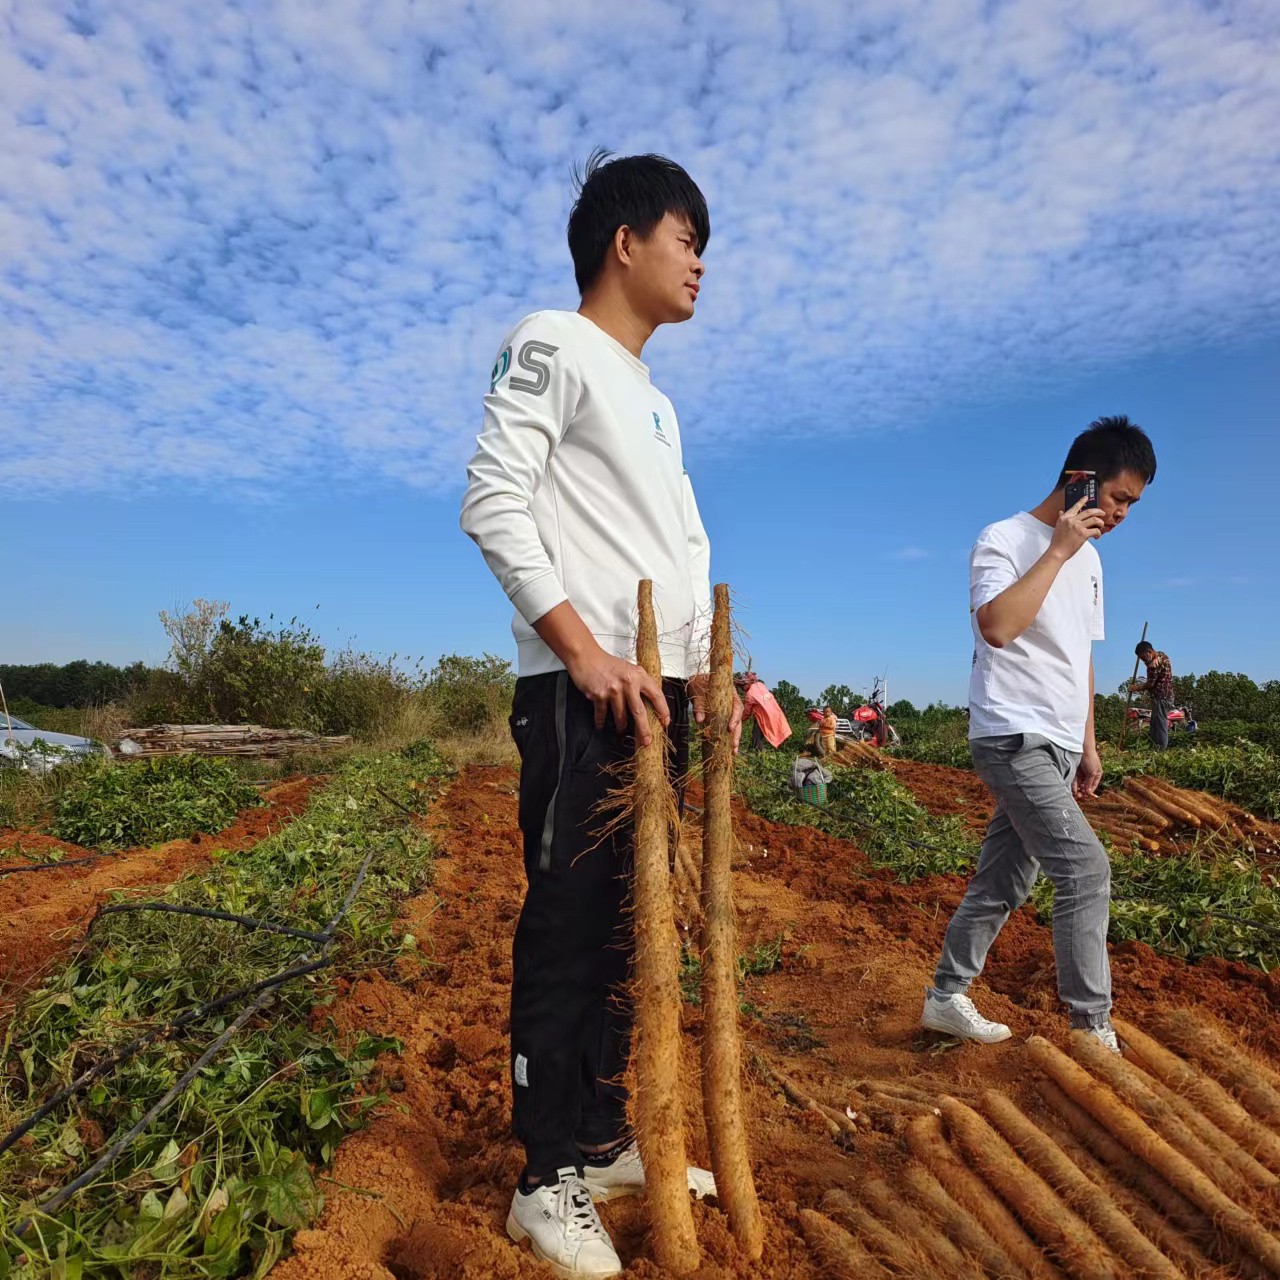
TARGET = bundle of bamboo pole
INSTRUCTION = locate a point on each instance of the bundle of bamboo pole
(221, 740)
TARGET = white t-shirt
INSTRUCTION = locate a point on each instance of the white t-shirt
(577, 490)
(1040, 682)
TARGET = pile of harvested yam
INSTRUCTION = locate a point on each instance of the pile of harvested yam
(1160, 1163)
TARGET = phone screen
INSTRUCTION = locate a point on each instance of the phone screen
(1081, 484)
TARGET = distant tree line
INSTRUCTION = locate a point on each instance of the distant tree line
(74, 684)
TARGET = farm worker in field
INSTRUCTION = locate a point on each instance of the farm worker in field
(828, 731)
(1035, 597)
(768, 720)
(1158, 686)
(577, 491)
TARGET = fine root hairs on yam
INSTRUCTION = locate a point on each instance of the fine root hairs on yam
(1208, 808)
(1129, 1084)
(1141, 812)
(659, 1106)
(1091, 1202)
(900, 1256)
(1252, 1171)
(1172, 1241)
(721, 1052)
(1041, 1209)
(1166, 804)
(1193, 1035)
(1205, 1092)
(1142, 1141)
(1198, 1141)
(838, 1254)
(908, 1223)
(1190, 1222)
(925, 1138)
(959, 1224)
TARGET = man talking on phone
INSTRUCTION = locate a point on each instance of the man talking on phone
(1035, 597)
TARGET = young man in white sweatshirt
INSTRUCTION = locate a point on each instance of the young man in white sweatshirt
(1035, 602)
(576, 492)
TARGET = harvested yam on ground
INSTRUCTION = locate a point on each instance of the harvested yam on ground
(1212, 1099)
(1210, 810)
(1134, 806)
(901, 1256)
(1156, 1224)
(1091, 1202)
(721, 1052)
(1130, 1085)
(1191, 1223)
(1158, 800)
(838, 1125)
(926, 1140)
(1189, 1033)
(959, 1224)
(659, 1107)
(1040, 1208)
(905, 1222)
(838, 1255)
(1105, 1106)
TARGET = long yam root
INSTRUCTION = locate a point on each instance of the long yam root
(1212, 1099)
(1035, 1202)
(659, 1106)
(1102, 1103)
(1093, 1204)
(839, 1255)
(924, 1137)
(1125, 1079)
(721, 1052)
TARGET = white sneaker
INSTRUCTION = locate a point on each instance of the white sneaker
(624, 1176)
(560, 1222)
(956, 1016)
(1106, 1035)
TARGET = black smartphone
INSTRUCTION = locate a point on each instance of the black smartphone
(1081, 484)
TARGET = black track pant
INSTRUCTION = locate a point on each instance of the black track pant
(570, 1010)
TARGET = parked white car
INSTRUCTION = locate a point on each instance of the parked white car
(18, 747)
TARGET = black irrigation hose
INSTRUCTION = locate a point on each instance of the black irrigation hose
(57, 1199)
(205, 913)
(53, 1203)
(121, 1056)
(53, 866)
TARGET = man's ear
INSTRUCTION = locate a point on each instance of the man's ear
(623, 245)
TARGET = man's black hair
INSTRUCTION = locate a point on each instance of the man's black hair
(1109, 446)
(1143, 646)
(629, 191)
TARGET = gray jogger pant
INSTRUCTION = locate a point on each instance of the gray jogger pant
(1037, 825)
(1160, 708)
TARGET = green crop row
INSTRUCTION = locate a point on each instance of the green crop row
(217, 1182)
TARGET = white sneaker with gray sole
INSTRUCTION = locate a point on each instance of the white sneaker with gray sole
(1106, 1036)
(561, 1223)
(955, 1016)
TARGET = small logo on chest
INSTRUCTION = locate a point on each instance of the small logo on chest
(658, 433)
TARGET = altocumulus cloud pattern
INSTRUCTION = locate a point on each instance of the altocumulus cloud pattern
(276, 243)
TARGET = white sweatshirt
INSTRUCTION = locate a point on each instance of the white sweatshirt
(577, 491)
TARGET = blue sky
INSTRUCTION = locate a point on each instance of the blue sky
(258, 260)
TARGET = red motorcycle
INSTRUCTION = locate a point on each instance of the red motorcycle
(867, 723)
(1179, 718)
